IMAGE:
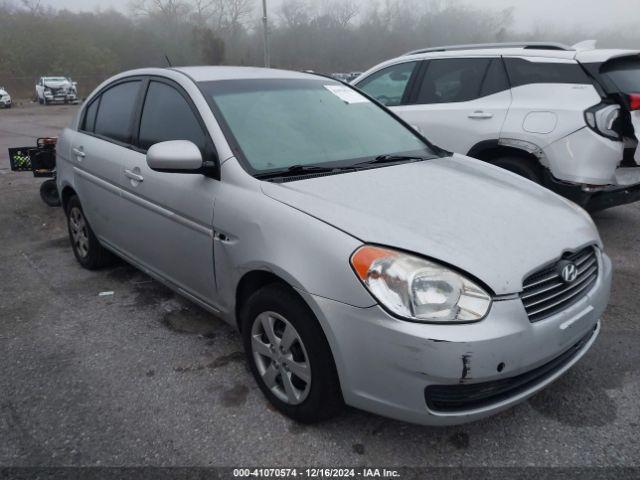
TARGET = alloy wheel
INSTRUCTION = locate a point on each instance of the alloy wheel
(281, 357)
(79, 231)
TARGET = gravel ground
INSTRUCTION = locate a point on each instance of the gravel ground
(143, 377)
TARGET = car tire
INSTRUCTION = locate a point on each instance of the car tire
(86, 247)
(294, 368)
(49, 193)
(524, 167)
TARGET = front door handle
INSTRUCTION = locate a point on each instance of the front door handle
(133, 176)
(478, 114)
(79, 152)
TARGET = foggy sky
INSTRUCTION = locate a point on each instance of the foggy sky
(596, 14)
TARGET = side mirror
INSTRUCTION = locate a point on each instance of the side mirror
(175, 156)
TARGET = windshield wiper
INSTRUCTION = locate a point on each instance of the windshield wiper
(295, 170)
(391, 159)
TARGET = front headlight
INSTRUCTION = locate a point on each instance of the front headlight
(417, 289)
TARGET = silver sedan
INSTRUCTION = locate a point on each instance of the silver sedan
(360, 263)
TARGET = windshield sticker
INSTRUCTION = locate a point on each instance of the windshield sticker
(346, 94)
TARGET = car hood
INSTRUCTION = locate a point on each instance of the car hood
(481, 219)
(52, 84)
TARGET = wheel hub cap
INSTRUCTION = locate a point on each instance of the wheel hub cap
(281, 357)
(79, 232)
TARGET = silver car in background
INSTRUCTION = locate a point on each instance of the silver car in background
(361, 264)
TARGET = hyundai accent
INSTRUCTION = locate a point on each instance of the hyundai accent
(360, 263)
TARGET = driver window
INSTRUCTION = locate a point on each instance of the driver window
(389, 85)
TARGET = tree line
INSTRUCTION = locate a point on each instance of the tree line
(321, 35)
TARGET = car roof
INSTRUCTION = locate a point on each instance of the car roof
(493, 51)
(211, 73)
(584, 52)
(602, 55)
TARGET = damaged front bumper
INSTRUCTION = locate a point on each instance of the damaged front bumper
(61, 97)
(390, 366)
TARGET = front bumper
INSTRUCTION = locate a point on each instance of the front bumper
(385, 364)
(61, 97)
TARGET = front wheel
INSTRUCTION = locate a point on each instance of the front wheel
(86, 247)
(289, 356)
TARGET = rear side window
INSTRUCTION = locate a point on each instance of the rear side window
(524, 72)
(624, 73)
(116, 111)
(453, 80)
(90, 116)
(167, 116)
(389, 85)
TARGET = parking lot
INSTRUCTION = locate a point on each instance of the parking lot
(143, 377)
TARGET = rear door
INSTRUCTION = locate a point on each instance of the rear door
(459, 102)
(99, 150)
(168, 216)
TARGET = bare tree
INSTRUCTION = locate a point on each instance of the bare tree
(34, 7)
(343, 11)
(239, 10)
(295, 13)
(170, 9)
(203, 10)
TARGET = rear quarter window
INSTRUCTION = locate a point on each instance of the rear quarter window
(90, 116)
(524, 72)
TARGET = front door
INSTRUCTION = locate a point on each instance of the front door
(168, 216)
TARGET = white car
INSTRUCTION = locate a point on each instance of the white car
(5, 98)
(56, 90)
(564, 117)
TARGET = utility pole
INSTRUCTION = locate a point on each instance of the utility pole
(265, 23)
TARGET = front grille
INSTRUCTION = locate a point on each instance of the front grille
(461, 397)
(545, 293)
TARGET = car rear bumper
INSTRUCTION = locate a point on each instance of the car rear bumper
(391, 367)
(613, 197)
(606, 197)
(585, 158)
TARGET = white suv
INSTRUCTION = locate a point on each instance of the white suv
(564, 117)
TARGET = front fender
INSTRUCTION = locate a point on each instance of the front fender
(255, 232)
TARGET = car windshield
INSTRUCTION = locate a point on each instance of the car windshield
(54, 79)
(279, 124)
(625, 73)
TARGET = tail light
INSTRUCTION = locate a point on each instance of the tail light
(603, 119)
(634, 101)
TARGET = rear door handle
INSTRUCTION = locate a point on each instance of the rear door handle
(478, 114)
(79, 152)
(133, 176)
